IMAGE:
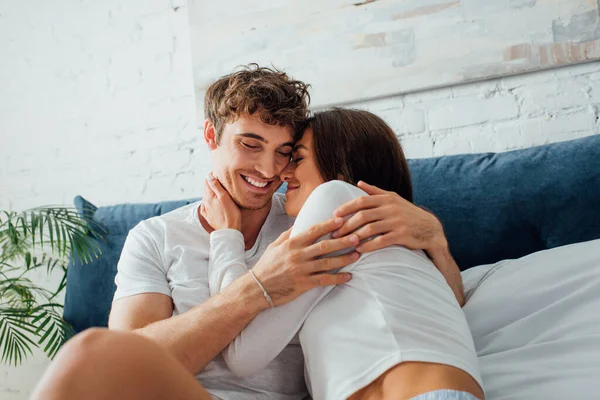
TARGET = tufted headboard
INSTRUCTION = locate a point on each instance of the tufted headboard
(494, 206)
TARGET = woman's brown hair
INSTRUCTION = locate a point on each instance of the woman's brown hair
(356, 145)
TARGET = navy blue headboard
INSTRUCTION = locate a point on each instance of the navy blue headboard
(493, 206)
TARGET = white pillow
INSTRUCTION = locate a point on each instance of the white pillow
(536, 324)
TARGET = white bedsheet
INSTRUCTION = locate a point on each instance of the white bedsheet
(536, 324)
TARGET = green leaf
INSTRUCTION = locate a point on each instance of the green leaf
(50, 230)
(13, 233)
(41, 230)
(24, 226)
(61, 285)
(28, 312)
(7, 346)
(4, 327)
(33, 223)
(43, 338)
(66, 238)
(22, 324)
(40, 316)
(55, 347)
(15, 344)
(48, 345)
(59, 239)
(23, 337)
(43, 325)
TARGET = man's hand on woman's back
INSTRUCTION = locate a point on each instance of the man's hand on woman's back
(399, 222)
(395, 219)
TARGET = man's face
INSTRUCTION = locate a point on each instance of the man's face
(249, 158)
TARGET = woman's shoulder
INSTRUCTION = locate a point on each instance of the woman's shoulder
(322, 202)
(336, 191)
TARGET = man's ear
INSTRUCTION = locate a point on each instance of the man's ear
(210, 134)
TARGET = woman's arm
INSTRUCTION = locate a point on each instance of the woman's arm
(227, 259)
(273, 329)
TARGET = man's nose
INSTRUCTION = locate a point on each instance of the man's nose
(268, 167)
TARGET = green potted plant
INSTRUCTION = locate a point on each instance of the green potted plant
(37, 239)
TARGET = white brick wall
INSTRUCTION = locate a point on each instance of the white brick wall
(496, 115)
(96, 98)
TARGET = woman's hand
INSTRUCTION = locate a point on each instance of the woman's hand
(291, 266)
(218, 208)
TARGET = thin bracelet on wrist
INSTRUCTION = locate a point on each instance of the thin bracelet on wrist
(262, 288)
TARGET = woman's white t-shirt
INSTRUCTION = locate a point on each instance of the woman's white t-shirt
(397, 307)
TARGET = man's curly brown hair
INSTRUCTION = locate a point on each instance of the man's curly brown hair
(277, 98)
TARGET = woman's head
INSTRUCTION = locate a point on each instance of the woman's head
(349, 145)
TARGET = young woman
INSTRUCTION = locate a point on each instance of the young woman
(396, 330)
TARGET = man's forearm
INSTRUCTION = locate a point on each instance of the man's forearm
(445, 263)
(199, 335)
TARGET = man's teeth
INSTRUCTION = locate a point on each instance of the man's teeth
(255, 183)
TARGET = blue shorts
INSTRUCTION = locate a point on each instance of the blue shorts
(445, 395)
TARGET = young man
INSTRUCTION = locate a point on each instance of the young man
(166, 333)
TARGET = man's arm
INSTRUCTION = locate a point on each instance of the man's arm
(444, 262)
(399, 222)
(199, 335)
(289, 268)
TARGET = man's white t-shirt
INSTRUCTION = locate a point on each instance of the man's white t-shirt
(169, 254)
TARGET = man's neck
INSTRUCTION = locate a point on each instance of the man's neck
(252, 223)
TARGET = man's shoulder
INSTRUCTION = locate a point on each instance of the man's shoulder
(279, 200)
(182, 218)
(278, 207)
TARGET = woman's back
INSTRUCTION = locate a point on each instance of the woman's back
(397, 308)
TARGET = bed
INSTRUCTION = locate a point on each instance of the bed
(523, 226)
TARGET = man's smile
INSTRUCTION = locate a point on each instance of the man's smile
(257, 184)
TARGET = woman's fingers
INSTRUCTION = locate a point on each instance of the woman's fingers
(208, 191)
(214, 189)
(218, 190)
(222, 211)
(316, 231)
(325, 247)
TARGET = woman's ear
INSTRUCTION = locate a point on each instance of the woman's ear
(210, 134)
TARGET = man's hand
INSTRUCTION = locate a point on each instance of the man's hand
(218, 208)
(291, 266)
(399, 222)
